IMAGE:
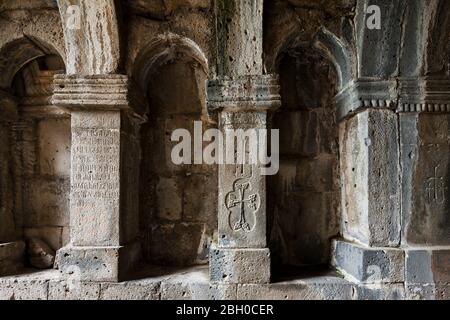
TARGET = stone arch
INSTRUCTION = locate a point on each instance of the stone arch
(303, 198)
(177, 203)
(93, 45)
(36, 149)
(160, 51)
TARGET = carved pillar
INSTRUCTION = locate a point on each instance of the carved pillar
(395, 151)
(104, 173)
(370, 184)
(424, 120)
(11, 250)
(242, 95)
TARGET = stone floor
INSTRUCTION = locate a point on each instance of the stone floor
(153, 283)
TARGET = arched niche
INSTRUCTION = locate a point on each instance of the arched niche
(35, 152)
(304, 197)
(177, 202)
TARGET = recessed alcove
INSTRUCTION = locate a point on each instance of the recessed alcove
(178, 203)
(303, 197)
(35, 155)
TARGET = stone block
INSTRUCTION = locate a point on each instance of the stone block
(367, 264)
(169, 199)
(394, 291)
(11, 289)
(73, 289)
(133, 290)
(425, 165)
(427, 292)
(107, 264)
(197, 291)
(427, 266)
(228, 266)
(370, 178)
(331, 289)
(198, 203)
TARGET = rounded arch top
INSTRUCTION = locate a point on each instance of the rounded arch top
(17, 53)
(163, 49)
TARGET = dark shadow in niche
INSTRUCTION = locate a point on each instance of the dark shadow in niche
(303, 198)
(177, 202)
(38, 143)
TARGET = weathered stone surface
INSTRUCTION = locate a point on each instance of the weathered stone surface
(369, 264)
(425, 203)
(40, 255)
(239, 265)
(427, 266)
(73, 289)
(394, 291)
(370, 178)
(326, 287)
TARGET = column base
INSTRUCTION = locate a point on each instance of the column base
(368, 265)
(11, 257)
(244, 266)
(105, 264)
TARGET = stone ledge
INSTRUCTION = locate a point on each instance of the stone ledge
(97, 264)
(252, 93)
(193, 284)
(368, 265)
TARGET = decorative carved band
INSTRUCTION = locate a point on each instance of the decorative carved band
(424, 95)
(402, 95)
(100, 92)
(366, 93)
(251, 93)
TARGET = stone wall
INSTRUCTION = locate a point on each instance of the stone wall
(358, 209)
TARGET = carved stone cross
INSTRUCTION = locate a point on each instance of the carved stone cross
(435, 187)
(237, 198)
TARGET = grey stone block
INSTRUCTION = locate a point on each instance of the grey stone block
(368, 265)
(239, 265)
(427, 266)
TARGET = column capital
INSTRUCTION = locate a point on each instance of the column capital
(254, 93)
(424, 95)
(365, 93)
(97, 92)
(420, 94)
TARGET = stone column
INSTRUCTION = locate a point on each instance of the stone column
(241, 95)
(104, 173)
(424, 120)
(11, 250)
(370, 184)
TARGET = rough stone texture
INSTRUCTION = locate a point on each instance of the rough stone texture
(427, 266)
(303, 208)
(240, 265)
(425, 203)
(368, 264)
(364, 148)
(370, 178)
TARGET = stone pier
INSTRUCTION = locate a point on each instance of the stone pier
(242, 96)
(104, 174)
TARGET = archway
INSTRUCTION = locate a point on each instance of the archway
(177, 202)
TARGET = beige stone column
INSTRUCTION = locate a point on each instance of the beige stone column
(104, 174)
(11, 249)
(241, 95)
